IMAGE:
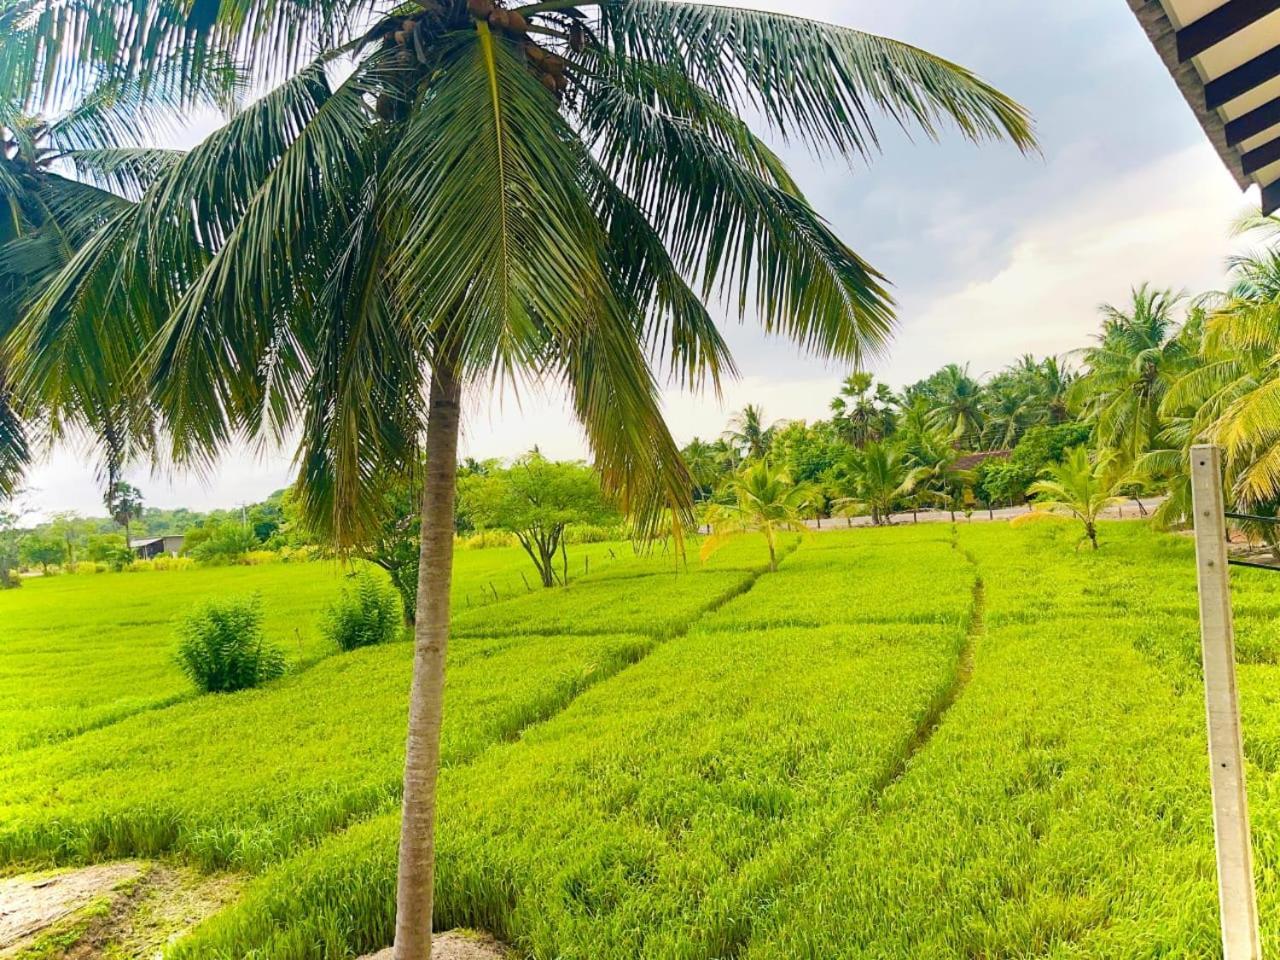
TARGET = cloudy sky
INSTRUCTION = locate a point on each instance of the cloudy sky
(991, 254)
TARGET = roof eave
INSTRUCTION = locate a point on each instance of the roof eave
(1163, 36)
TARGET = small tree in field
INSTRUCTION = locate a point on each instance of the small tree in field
(537, 500)
(762, 500)
(42, 550)
(1081, 486)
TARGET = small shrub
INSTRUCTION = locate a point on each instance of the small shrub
(486, 539)
(222, 648)
(367, 613)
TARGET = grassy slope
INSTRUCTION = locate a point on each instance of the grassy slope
(659, 813)
(79, 652)
(1062, 808)
(740, 791)
(241, 780)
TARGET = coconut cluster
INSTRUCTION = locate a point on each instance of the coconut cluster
(547, 66)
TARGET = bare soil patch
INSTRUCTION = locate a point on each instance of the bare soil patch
(33, 903)
(116, 911)
(457, 945)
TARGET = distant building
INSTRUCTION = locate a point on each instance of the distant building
(158, 546)
(971, 461)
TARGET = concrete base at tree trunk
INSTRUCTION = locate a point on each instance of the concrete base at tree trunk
(457, 945)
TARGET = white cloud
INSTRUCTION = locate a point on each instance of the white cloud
(1166, 224)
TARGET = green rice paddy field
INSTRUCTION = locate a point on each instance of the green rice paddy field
(927, 741)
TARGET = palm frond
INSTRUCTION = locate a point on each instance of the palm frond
(817, 83)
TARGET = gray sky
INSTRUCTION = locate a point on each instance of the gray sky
(991, 254)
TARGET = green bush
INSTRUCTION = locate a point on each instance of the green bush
(224, 542)
(367, 613)
(223, 649)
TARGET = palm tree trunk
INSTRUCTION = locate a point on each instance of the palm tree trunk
(416, 877)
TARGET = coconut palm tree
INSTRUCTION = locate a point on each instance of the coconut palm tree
(1139, 354)
(1082, 486)
(748, 435)
(451, 193)
(760, 499)
(938, 478)
(956, 400)
(703, 461)
(877, 478)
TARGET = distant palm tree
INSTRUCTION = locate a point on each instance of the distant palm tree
(1138, 356)
(957, 404)
(705, 465)
(761, 499)
(748, 434)
(878, 477)
(1081, 485)
(939, 479)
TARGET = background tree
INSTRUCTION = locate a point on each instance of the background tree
(537, 500)
(705, 463)
(760, 499)
(878, 478)
(955, 400)
(1139, 354)
(748, 435)
(564, 182)
(124, 502)
(71, 529)
(42, 550)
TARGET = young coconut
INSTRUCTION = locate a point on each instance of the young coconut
(498, 19)
(536, 54)
(549, 82)
(516, 22)
(577, 37)
(481, 9)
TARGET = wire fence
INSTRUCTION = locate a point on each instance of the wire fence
(1253, 563)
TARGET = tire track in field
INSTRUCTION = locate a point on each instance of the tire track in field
(928, 725)
(942, 704)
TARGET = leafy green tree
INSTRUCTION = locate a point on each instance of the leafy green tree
(9, 557)
(219, 541)
(1082, 486)
(706, 465)
(42, 550)
(939, 479)
(72, 529)
(481, 191)
(879, 477)
(537, 500)
(760, 499)
(807, 452)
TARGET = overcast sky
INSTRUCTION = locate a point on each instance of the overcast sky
(991, 254)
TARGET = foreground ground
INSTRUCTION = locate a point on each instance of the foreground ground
(928, 741)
